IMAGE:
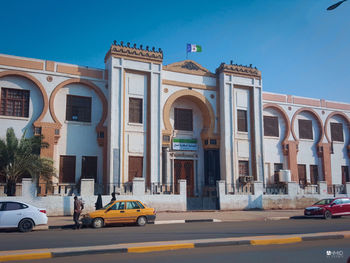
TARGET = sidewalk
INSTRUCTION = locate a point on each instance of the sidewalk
(223, 216)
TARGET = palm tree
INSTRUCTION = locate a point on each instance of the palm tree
(19, 158)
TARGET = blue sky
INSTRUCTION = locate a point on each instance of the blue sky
(301, 48)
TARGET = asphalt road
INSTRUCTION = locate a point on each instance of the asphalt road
(188, 231)
(310, 251)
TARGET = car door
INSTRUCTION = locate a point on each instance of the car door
(12, 213)
(115, 214)
(336, 207)
(346, 206)
(132, 211)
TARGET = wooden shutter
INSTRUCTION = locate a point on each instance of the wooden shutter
(14, 102)
(302, 174)
(135, 167)
(337, 132)
(78, 108)
(135, 110)
(89, 167)
(183, 119)
(314, 174)
(305, 129)
(345, 174)
(67, 169)
(243, 168)
(242, 121)
(271, 126)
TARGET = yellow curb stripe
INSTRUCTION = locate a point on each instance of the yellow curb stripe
(159, 248)
(25, 256)
(346, 236)
(276, 241)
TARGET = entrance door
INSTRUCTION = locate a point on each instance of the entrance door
(302, 174)
(183, 169)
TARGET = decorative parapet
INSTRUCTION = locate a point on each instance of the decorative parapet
(127, 51)
(235, 69)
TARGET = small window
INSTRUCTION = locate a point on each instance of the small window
(305, 129)
(135, 110)
(314, 174)
(78, 108)
(242, 121)
(243, 168)
(337, 202)
(183, 119)
(14, 102)
(337, 132)
(271, 126)
(10, 206)
(140, 205)
(120, 205)
(132, 205)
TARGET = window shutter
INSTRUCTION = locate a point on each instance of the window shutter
(242, 121)
(271, 126)
(135, 110)
(135, 167)
(337, 132)
(305, 129)
(183, 119)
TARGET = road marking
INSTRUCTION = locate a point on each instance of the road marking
(276, 241)
(25, 256)
(160, 248)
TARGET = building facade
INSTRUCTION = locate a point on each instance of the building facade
(138, 118)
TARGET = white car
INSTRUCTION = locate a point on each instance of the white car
(21, 215)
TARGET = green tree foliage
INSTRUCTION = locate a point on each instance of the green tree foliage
(19, 158)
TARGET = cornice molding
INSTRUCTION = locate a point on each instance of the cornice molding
(235, 69)
(120, 50)
(189, 67)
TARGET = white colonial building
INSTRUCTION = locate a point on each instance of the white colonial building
(138, 118)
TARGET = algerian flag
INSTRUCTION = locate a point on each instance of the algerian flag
(193, 48)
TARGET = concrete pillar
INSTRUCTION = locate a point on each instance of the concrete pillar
(292, 160)
(29, 189)
(183, 187)
(292, 188)
(347, 189)
(322, 188)
(138, 186)
(326, 162)
(220, 188)
(87, 187)
(258, 188)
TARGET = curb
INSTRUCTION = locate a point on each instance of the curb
(161, 222)
(167, 245)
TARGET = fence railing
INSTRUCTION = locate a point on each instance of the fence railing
(336, 189)
(240, 189)
(308, 189)
(159, 188)
(276, 189)
(63, 189)
(3, 189)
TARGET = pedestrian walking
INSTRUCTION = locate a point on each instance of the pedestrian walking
(98, 203)
(113, 197)
(78, 207)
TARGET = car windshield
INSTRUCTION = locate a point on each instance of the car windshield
(107, 205)
(324, 202)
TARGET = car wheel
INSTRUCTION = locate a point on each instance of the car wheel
(327, 215)
(98, 223)
(26, 225)
(141, 221)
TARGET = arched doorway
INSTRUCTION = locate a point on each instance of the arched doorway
(193, 150)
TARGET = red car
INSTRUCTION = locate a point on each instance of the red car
(328, 208)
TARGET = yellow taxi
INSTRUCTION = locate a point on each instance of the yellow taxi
(121, 211)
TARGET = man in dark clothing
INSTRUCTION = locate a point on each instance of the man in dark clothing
(78, 207)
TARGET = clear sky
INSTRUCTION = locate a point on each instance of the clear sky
(301, 48)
